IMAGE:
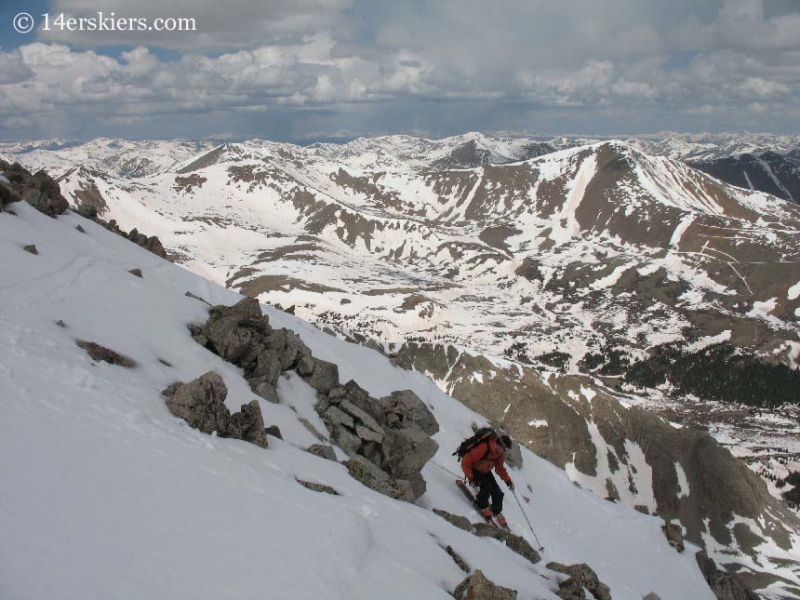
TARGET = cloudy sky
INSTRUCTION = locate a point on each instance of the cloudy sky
(304, 70)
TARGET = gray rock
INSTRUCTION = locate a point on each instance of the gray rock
(369, 435)
(514, 542)
(642, 509)
(232, 342)
(170, 390)
(100, 353)
(457, 520)
(674, 533)
(325, 375)
(268, 367)
(305, 366)
(313, 430)
(411, 409)
(361, 416)
(570, 589)
(136, 272)
(460, 562)
(374, 478)
(323, 451)
(266, 391)
(335, 416)
(348, 441)
(274, 431)
(248, 425)
(201, 403)
(478, 587)
(293, 350)
(581, 576)
(651, 596)
(191, 295)
(407, 450)
(31, 248)
(358, 396)
(318, 487)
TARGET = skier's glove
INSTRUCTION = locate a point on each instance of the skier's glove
(473, 484)
(510, 485)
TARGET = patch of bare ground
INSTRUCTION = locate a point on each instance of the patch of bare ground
(271, 283)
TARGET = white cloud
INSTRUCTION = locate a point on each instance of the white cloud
(616, 55)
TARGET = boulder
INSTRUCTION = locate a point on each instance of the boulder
(201, 403)
(407, 451)
(274, 431)
(410, 409)
(581, 576)
(39, 190)
(325, 375)
(268, 367)
(374, 478)
(323, 451)
(570, 589)
(478, 587)
(266, 391)
(674, 534)
(248, 425)
(31, 248)
(360, 416)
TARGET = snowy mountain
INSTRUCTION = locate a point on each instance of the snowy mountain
(107, 494)
(531, 291)
(768, 171)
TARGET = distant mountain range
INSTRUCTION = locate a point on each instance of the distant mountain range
(577, 273)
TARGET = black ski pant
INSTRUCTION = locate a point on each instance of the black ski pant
(487, 486)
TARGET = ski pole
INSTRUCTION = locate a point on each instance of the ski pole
(541, 548)
(457, 476)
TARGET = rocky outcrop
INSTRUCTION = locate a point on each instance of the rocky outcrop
(387, 440)
(725, 585)
(514, 543)
(386, 433)
(478, 587)
(581, 577)
(323, 451)
(201, 403)
(102, 354)
(674, 534)
(39, 189)
(149, 242)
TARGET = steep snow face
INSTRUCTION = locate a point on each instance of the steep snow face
(107, 495)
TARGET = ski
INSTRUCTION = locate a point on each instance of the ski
(471, 497)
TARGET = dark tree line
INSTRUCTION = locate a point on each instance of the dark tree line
(718, 372)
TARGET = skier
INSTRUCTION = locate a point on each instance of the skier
(477, 465)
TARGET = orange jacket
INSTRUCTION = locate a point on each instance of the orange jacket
(483, 460)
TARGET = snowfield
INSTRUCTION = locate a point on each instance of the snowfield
(107, 495)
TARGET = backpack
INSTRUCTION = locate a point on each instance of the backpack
(484, 434)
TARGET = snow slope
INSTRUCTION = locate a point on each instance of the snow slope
(107, 495)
